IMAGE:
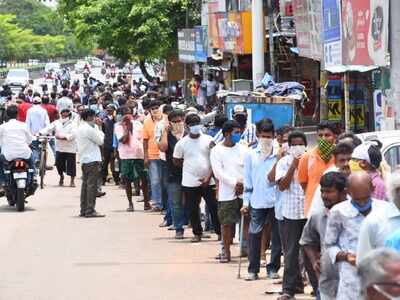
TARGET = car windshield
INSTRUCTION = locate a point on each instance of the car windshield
(18, 73)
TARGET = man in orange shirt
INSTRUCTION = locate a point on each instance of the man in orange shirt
(314, 163)
(152, 154)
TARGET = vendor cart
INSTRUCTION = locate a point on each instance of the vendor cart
(281, 110)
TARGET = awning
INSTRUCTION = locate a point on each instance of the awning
(350, 68)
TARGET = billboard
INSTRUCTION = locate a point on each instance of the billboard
(201, 44)
(332, 34)
(230, 32)
(308, 20)
(186, 45)
(365, 32)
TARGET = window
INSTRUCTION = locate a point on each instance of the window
(392, 156)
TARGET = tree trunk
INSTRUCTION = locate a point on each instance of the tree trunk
(142, 66)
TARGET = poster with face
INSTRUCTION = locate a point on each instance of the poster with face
(365, 32)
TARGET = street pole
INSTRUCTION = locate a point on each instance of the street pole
(258, 41)
(346, 102)
(271, 37)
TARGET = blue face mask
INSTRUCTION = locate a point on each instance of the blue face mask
(196, 129)
(235, 138)
(362, 209)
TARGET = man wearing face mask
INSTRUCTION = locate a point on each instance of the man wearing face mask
(342, 154)
(65, 145)
(342, 232)
(379, 225)
(292, 197)
(174, 132)
(260, 194)
(193, 154)
(314, 163)
(227, 164)
(152, 153)
(248, 130)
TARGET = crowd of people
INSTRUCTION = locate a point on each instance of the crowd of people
(324, 210)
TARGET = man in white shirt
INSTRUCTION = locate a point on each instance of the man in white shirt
(227, 161)
(15, 139)
(292, 197)
(193, 153)
(378, 227)
(37, 119)
(65, 102)
(89, 138)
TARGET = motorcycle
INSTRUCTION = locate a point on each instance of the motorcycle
(20, 182)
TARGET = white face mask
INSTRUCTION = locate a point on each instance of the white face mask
(265, 145)
(297, 151)
(196, 129)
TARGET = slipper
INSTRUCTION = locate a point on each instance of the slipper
(130, 209)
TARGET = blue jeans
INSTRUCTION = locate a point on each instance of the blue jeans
(166, 203)
(35, 151)
(155, 173)
(175, 199)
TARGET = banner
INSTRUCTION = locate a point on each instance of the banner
(332, 36)
(307, 16)
(186, 45)
(201, 44)
(365, 32)
(230, 32)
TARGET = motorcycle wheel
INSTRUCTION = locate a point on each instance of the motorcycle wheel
(20, 197)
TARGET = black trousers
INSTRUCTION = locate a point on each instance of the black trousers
(66, 163)
(193, 197)
(292, 279)
(109, 159)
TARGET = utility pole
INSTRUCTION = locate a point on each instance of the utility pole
(258, 41)
(271, 37)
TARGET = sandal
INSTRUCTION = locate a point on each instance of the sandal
(286, 297)
(224, 259)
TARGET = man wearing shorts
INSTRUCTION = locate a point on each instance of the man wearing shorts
(227, 164)
(130, 148)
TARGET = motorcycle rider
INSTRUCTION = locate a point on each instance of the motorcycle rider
(15, 139)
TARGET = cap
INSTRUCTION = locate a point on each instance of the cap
(238, 109)
(361, 152)
(37, 99)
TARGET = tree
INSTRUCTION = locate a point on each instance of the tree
(130, 29)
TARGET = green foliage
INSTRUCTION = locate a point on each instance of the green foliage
(130, 29)
(30, 30)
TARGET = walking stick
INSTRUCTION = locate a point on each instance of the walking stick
(240, 245)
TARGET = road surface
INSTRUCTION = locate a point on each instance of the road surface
(47, 252)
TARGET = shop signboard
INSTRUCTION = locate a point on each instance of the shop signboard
(378, 110)
(230, 32)
(186, 45)
(201, 44)
(365, 32)
(332, 35)
(308, 20)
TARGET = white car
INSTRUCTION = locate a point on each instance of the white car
(79, 66)
(17, 77)
(55, 67)
(390, 145)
